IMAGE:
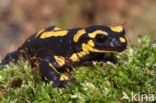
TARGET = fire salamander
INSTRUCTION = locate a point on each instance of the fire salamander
(58, 48)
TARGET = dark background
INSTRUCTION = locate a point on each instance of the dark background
(22, 18)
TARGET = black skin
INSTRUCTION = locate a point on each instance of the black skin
(64, 46)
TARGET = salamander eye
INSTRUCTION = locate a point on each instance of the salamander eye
(100, 37)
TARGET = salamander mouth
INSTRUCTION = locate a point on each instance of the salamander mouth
(93, 49)
(90, 47)
(111, 49)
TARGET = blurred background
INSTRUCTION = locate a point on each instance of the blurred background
(21, 18)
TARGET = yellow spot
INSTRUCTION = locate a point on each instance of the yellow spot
(74, 57)
(122, 39)
(51, 65)
(81, 54)
(64, 77)
(57, 28)
(91, 43)
(54, 33)
(60, 60)
(117, 28)
(0, 61)
(39, 33)
(93, 34)
(78, 34)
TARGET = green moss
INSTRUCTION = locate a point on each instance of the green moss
(135, 72)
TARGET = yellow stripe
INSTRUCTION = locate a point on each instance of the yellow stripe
(51, 65)
(117, 28)
(93, 34)
(54, 33)
(100, 51)
(0, 61)
(78, 34)
(39, 33)
(60, 60)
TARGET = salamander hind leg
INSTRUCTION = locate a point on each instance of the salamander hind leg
(49, 68)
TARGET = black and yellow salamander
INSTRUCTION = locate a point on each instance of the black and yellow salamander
(58, 48)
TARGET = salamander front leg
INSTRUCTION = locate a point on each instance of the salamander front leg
(48, 67)
(107, 57)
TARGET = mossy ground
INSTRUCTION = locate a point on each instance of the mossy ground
(135, 72)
